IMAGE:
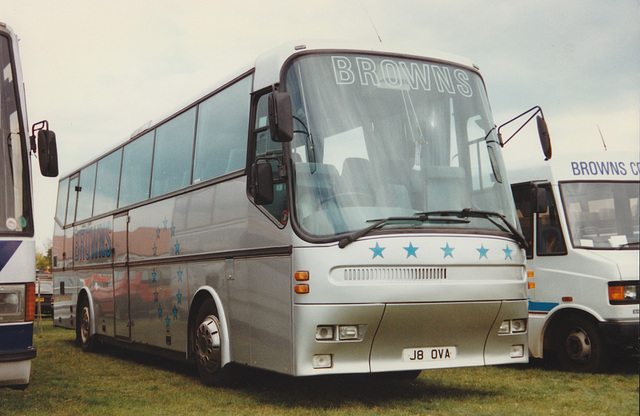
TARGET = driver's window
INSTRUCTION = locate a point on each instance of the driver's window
(266, 149)
(550, 240)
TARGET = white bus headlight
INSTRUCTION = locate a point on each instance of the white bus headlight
(12, 303)
(621, 293)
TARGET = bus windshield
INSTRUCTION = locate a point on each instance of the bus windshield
(378, 136)
(602, 214)
(13, 218)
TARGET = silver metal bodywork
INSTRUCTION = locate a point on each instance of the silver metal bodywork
(146, 268)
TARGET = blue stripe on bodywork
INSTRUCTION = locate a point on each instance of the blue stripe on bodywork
(541, 306)
(7, 248)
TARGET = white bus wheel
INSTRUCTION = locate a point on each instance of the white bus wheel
(579, 345)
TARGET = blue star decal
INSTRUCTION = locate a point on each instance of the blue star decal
(153, 276)
(377, 251)
(483, 252)
(177, 248)
(160, 312)
(179, 275)
(165, 224)
(155, 296)
(154, 250)
(507, 253)
(411, 250)
(173, 231)
(175, 311)
(158, 232)
(179, 296)
(448, 251)
(167, 321)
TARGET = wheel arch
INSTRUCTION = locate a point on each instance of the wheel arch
(561, 315)
(201, 295)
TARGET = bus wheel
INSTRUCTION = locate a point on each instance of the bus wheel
(579, 345)
(207, 345)
(83, 329)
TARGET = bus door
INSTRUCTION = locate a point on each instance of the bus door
(121, 283)
(542, 229)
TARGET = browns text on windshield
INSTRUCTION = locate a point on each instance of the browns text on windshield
(395, 73)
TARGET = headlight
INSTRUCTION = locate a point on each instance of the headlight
(12, 303)
(513, 326)
(621, 293)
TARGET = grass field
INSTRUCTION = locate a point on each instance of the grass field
(66, 381)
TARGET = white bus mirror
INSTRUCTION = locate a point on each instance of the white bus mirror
(280, 117)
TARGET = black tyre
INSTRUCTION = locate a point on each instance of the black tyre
(84, 339)
(579, 345)
(207, 342)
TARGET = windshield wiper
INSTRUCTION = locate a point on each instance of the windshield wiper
(421, 216)
(623, 246)
(468, 212)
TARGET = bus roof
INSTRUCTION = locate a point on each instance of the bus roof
(268, 64)
(596, 166)
(266, 69)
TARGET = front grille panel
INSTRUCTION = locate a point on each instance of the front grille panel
(385, 274)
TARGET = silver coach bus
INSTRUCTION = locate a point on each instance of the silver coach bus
(329, 210)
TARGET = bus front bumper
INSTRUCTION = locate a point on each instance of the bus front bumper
(624, 333)
(372, 338)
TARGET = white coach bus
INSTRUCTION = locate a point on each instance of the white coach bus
(582, 259)
(325, 211)
(17, 245)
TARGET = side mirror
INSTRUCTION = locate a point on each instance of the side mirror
(48, 153)
(543, 131)
(545, 140)
(262, 185)
(538, 199)
(280, 117)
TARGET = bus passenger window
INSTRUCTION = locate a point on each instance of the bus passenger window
(221, 139)
(85, 192)
(550, 240)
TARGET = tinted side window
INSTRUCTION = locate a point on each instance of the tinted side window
(221, 142)
(522, 198)
(73, 197)
(549, 233)
(136, 170)
(107, 181)
(85, 194)
(61, 207)
(173, 154)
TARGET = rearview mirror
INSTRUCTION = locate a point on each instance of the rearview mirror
(262, 183)
(545, 140)
(538, 199)
(48, 153)
(280, 117)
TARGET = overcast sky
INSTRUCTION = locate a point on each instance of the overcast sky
(99, 70)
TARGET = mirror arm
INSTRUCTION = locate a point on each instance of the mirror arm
(538, 110)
